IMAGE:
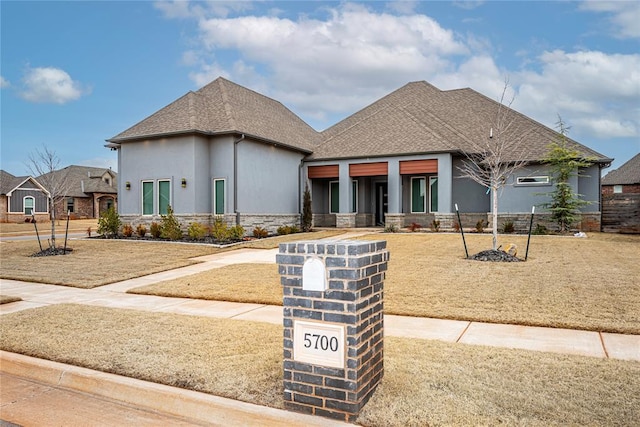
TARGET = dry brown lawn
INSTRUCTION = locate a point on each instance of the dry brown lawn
(256, 283)
(425, 382)
(567, 282)
(95, 262)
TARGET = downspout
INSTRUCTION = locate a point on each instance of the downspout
(235, 177)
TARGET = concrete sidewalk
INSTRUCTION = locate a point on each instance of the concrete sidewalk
(184, 407)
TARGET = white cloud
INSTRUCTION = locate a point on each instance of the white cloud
(598, 91)
(4, 83)
(50, 85)
(336, 64)
(623, 15)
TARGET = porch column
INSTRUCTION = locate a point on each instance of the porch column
(445, 183)
(394, 217)
(394, 189)
(345, 218)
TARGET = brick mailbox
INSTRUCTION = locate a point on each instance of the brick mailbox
(333, 324)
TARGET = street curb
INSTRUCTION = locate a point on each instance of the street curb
(188, 404)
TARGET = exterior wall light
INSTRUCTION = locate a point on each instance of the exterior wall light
(184, 182)
(127, 185)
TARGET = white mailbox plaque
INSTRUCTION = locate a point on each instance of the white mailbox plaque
(319, 343)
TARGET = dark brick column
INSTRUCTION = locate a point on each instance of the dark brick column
(350, 309)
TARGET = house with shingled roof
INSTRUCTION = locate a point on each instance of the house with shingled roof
(625, 179)
(621, 198)
(82, 191)
(225, 150)
(22, 198)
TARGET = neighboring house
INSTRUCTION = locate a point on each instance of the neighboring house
(22, 198)
(227, 150)
(621, 198)
(625, 179)
(82, 191)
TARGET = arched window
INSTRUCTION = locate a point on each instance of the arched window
(28, 204)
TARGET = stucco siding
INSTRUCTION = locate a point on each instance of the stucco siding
(268, 179)
(152, 160)
(466, 193)
(589, 188)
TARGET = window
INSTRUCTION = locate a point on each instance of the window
(218, 196)
(29, 203)
(418, 196)
(354, 196)
(70, 205)
(617, 189)
(532, 180)
(147, 197)
(164, 196)
(433, 188)
(334, 197)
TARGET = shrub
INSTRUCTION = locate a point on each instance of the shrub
(435, 225)
(236, 232)
(109, 223)
(196, 231)
(170, 227)
(540, 230)
(480, 225)
(127, 230)
(414, 226)
(391, 229)
(456, 226)
(155, 229)
(260, 233)
(220, 230)
(508, 227)
(288, 229)
(307, 214)
(141, 230)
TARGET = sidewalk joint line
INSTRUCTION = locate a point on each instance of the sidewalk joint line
(604, 347)
(463, 332)
(249, 311)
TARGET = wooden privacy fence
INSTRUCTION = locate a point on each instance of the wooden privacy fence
(621, 213)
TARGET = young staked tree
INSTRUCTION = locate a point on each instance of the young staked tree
(491, 160)
(43, 165)
(565, 163)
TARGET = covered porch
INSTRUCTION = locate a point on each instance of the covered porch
(391, 191)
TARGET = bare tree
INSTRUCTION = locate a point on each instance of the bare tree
(491, 160)
(43, 165)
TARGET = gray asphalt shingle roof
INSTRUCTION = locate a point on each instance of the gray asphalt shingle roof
(82, 180)
(225, 107)
(8, 182)
(420, 118)
(628, 173)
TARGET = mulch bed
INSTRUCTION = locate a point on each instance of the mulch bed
(494, 256)
(52, 252)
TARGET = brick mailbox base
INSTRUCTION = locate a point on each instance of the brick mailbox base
(333, 337)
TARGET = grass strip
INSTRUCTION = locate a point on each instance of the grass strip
(6, 299)
(425, 382)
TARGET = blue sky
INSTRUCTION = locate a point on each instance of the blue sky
(76, 73)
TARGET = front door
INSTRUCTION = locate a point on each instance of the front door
(382, 202)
